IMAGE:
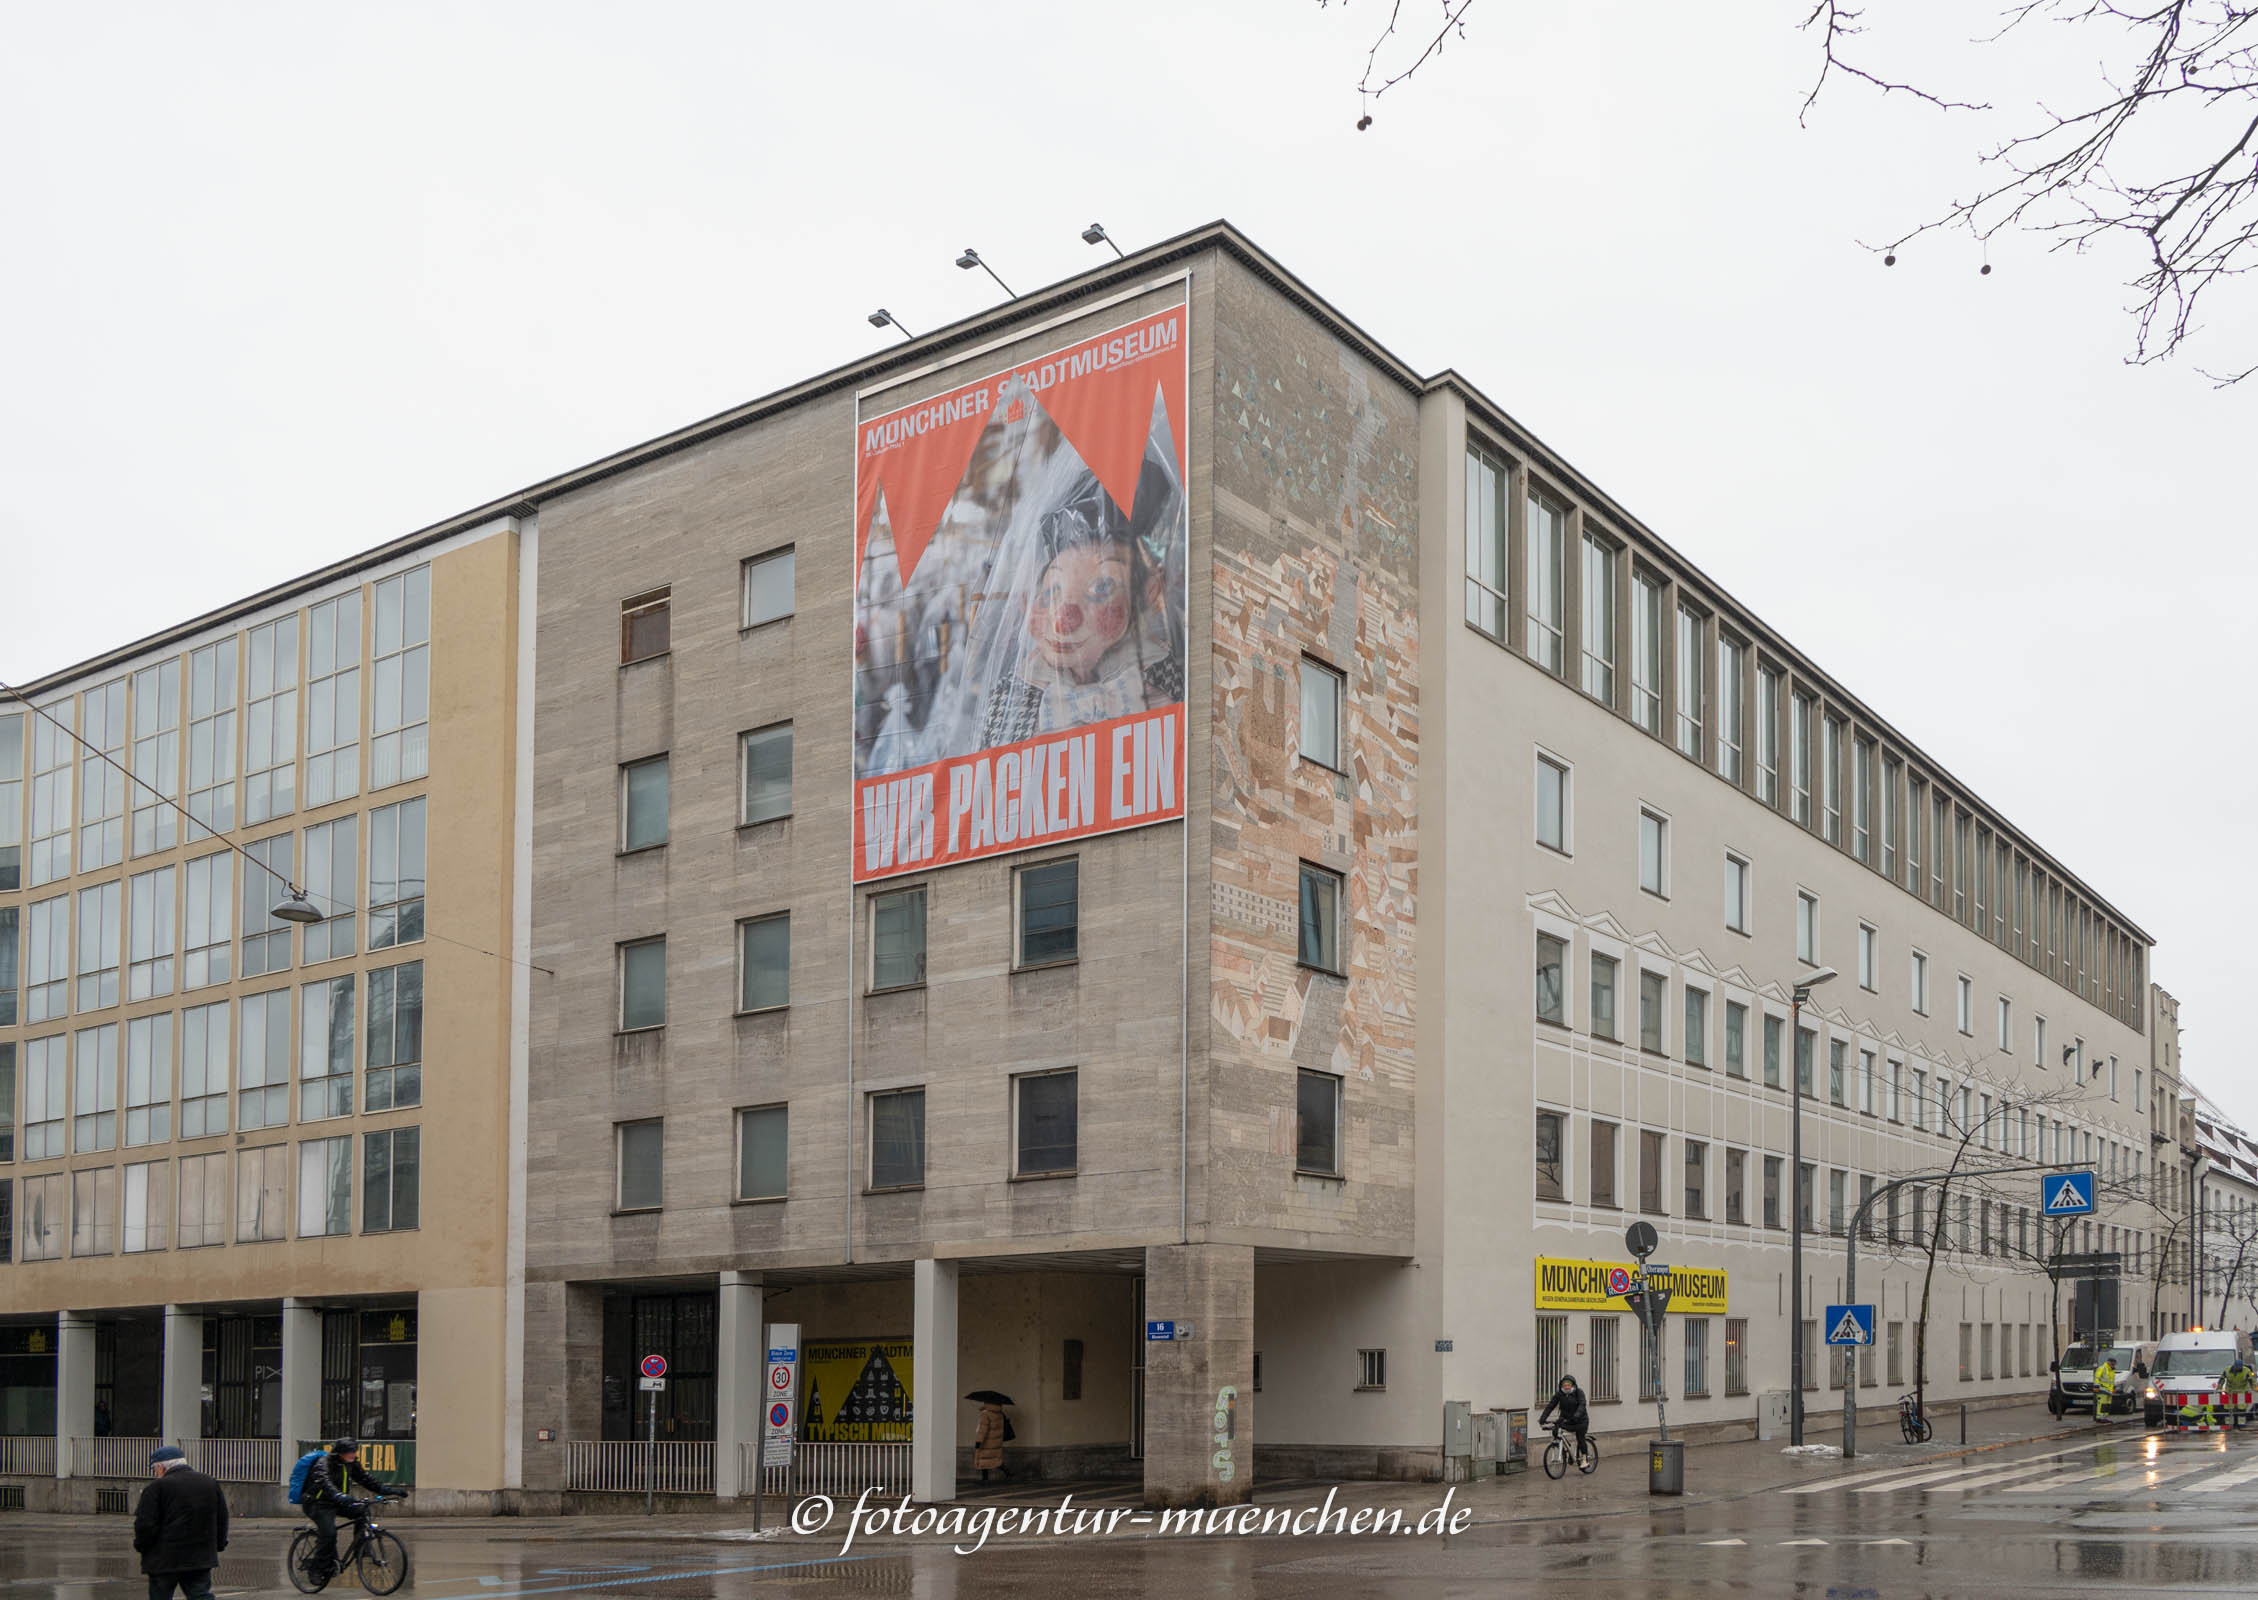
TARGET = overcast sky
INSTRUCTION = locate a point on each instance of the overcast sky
(284, 281)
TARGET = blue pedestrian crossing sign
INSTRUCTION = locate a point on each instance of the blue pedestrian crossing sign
(2066, 1194)
(1850, 1325)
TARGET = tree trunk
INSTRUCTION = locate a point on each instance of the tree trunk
(1928, 1277)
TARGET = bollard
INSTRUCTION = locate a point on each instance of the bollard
(1963, 1422)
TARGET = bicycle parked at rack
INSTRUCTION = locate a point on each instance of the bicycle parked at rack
(376, 1555)
(1910, 1421)
(1561, 1451)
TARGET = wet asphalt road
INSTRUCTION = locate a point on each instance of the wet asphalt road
(2123, 1513)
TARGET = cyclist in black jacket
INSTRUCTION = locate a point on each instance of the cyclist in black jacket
(324, 1498)
(1568, 1400)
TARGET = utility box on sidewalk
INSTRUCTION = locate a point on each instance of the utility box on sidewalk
(1771, 1413)
(1666, 1466)
(1458, 1440)
(1485, 1444)
(1512, 1439)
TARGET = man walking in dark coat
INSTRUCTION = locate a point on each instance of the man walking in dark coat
(180, 1527)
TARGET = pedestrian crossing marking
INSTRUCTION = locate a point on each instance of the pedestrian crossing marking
(1709, 1543)
(2085, 1470)
(1924, 1468)
(2225, 1480)
(1786, 1543)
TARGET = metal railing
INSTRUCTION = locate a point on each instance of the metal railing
(624, 1466)
(236, 1460)
(30, 1455)
(111, 1456)
(840, 1470)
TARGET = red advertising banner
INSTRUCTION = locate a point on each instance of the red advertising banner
(1019, 605)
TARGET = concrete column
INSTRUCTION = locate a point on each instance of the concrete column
(740, 1374)
(301, 1376)
(564, 1381)
(1199, 1437)
(933, 1332)
(182, 1414)
(74, 1385)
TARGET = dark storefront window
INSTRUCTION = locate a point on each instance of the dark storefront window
(128, 1378)
(242, 1377)
(388, 1374)
(680, 1327)
(27, 1380)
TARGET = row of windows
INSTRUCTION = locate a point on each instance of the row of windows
(116, 1084)
(1597, 1357)
(765, 585)
(764, 789)
(261, 708)
(101, 1211)
(140, 937)
(1690, 683)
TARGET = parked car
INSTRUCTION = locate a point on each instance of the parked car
(2072, 1393)
(2188, 1365)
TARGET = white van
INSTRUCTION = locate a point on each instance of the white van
(2073, 1374)
(2189, 1364)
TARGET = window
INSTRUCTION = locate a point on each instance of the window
(1604, 970)
(1552, 1166)
(1317, 1140)
(51, 748)
(43, 1217)
(1646, 653)
(395, 1038)
(12, 802)
(641, 1150)
(1892, 775)
(1861, 799)
(156, 763)
(148, 1080)
(1547, 537)
(1736, 1186)
(1830, 777)
(333, 870)
(763, 1152)
(1805, 1042)
(94, 1212)
(149, 925)
(1372, 1369)
(1916, 807)
(1045, 1124)
(262, 1061)
(401, 680)
(1773, 1028)
(642, 804)
(1799, 756)
(1807, 927)
(764, 962)
(266, 877)
(765, 756)
(1920, 1098)
(1896, 1091)
(1488, 480)
(1737, 893)
(101, 779)
(391, 1180)
(1732, 666)
(1654, 995)
(325, 1049)
(1320, 920)
(1869, 958)
(1692, 681)
(101, 936)
(1697, 1180)
(207, 949)
(2038, 1041)
(1552, 803)
(1695, 1043)
(1049, 896)
(1654, 853)
(1604, 1345)
(1736, 1039)
(1964, 1004)
(325, 1187)
(395, 874)
(1736, 1355)
(1650, 1173)
(1767, 735)
(1599, 619)
(9, 940)
(1920, 995)
(1805, 1175)
(148, 1206)
(1320, 714)
(211, 736)
(1552, 978)
(1552, 1352)
(897, 939)
(644, 626)
(270, 721)
(94, 1096)
(1838, 1071)
(1603, 1163)
(1772, 1165)
(262, 1194)
(1697, 1357)
(897, 1139)
(333, 700)
(642, 985)
(203, 1077)
(1866, 1077)
(768, 587)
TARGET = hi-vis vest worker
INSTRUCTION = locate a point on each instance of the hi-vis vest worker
(2104, 1389)
(2236, 1382)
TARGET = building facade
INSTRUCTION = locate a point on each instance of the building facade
(1236, 1059)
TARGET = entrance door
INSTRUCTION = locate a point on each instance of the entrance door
(1137, 1377)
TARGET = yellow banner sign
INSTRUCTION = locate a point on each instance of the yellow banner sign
(859, 1390)
(1600, 1286)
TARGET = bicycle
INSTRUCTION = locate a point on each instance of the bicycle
(1557, 1455)
(379, 1558)
(1910, 1422)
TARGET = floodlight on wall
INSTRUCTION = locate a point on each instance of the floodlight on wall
(295, 909)
(1095, 234)
(882, 318)
(971, 259)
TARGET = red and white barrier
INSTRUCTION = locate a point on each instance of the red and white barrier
(2202, 1413)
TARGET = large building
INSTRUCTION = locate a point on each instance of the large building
(1139, 853)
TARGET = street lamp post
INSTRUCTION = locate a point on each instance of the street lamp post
(1811, 980)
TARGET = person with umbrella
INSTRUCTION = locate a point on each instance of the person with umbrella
(994, 1433)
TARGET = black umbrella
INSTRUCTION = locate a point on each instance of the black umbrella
(989, 1397)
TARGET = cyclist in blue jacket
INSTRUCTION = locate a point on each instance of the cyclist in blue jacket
(324, 1498)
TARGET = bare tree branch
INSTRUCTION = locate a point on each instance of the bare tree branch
(1839, 24)
(1454, 26)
